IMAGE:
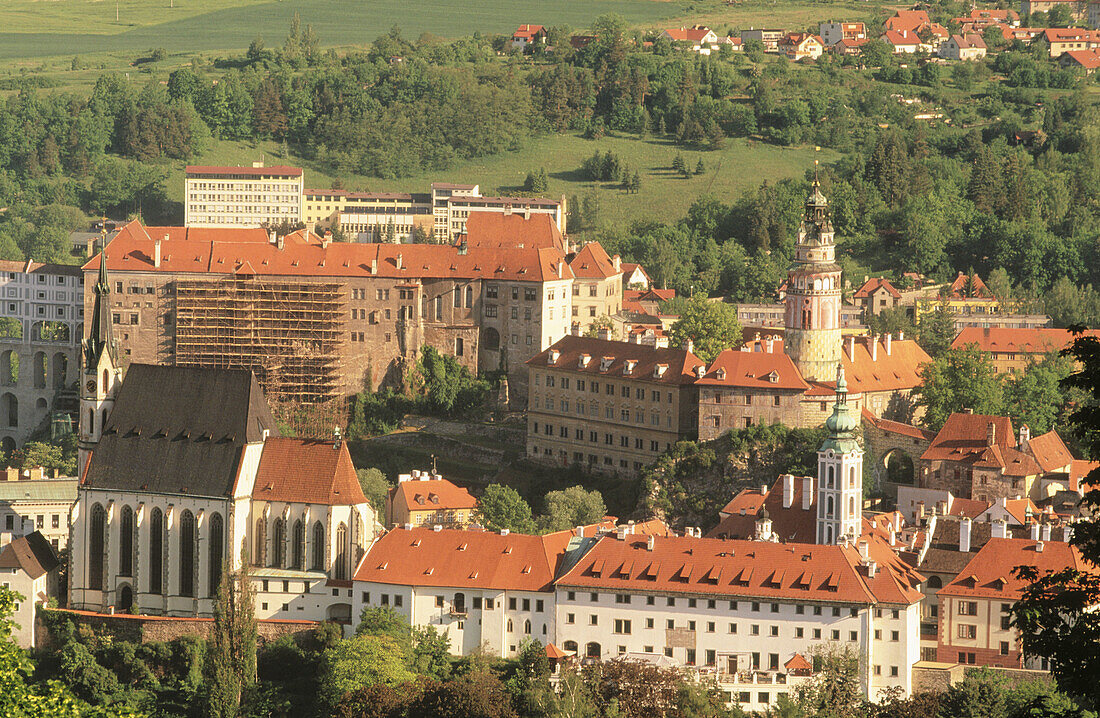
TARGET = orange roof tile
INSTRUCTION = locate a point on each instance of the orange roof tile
(464, 559)
(690, 34)
(989, 574)
(592, 262)
(873, 284)
(897, 427)
(1050, 452)
(612, 359)
(1088, 59)
(1017, 341)
(968, 508)
(307, 471)
(902, 38)
(527, 31)
(228, 251)
(1070, 34)
(910, 20)
(963, 435)
(433, 494)
(499, 230)
(757, 370)
(961, 287)
(887, 372)
(795, 524)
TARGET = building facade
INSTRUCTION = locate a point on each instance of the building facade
(29, 566)
(41, 324)
(597, 285)
(255, 196)
(1013, 350)
(30, 502)
(613, 406)
(427, 499)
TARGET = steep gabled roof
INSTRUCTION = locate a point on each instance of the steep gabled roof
(966, 286)
(592, 262)
(179, 430)
(791, 525)
(464, 559)
(307, 471)
(527, 32)
(911, 20)
(1050, 452)
(963, 437)
(875, 283)
(754, 370)
(31, 553)
(619, 360)
(901, 38)
(989, 573)
(688, 34)
(431, 494)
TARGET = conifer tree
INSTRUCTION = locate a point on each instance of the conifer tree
(230, 670)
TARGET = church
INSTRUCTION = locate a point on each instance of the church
(790, 380)
(183, 475)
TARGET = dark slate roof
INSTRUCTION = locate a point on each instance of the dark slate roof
(179, 430)
(32, 553)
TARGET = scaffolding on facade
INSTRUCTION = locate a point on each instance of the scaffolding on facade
(288, 332)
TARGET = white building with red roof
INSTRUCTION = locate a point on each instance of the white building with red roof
(699, 38)
(801, 46)
(833, 32)
(527, 35)
(426, 499)
(597, 285)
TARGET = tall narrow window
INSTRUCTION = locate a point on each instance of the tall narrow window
(217, 541)
(299, 545)
(278, 538)
(318, 563)
(96, 543)
(156, 552)
(261, 542)
(341, 552)
(126, 543)
(187, 554)
(469, 297)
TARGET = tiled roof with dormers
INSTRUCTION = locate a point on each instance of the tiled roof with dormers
(431, 494)
(464, 559)
(735, 569)
(619, 360)
(592, 262)
(1016, 341)
(511, 231)
(873, 284)
(307, 471)
(754, 370)
(237, 251)
(989, 574)
(791, 525)
(1050, 452)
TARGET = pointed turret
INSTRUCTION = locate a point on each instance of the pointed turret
(840, 472)
(100, 334)
(101, 370)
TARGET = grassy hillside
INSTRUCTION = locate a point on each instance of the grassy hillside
(664, 195)
(34, 29)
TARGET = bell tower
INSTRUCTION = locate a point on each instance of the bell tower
(100, 371)
(812, 319)
(840, 473)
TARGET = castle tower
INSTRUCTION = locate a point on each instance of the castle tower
(812, 320)
(100, 371)
(840, 473)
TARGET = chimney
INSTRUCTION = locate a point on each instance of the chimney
(807, 492)
(1045, 532)
(1000, 529)
(504, 532)
(863, 550)
(1025, 436)
(964, 535)
(156, 252)
(851, 348)
(561, 270)
(604, 333)
(400, 260)
(374, 266)
(871, 568)
(788, 490)
(763, 489)
(1067, 533)
(874, 347)
(690, 346)
(271, 236)
(650, 542)
(618, 263)
(1039, 547)
(991, 434)
(280, 242)
(769, 345)
(901, 336)
(889, 337)
(1034, 531)
(326, 241)
(920, 510)
(580, 532)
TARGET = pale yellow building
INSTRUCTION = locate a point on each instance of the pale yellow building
(255, 196)
(597, 285)
(426, 499)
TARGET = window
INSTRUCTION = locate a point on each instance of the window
(125, 543)
(570, 618)
(512, 602)
(968, 608)
(733, 628)
(1004, 648)
(318, 563)
(96, 545)
(670, 624)
(156, 551)
(622, 626)
(710, 626)
(593, 619)
(491, 291)
(853, 636)
(622, 598)
(967, 630)
(649, 623)
(593, 597)
(187, 554)
(773, 631)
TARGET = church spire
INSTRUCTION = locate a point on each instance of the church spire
(100, 334)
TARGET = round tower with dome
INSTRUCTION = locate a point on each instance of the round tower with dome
(840, 472)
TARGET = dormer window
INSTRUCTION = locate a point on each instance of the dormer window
(659, 370)
(721, 374)
(773, 377)
(585, 358)
(628, 367)
(554, 356)
(605, 363)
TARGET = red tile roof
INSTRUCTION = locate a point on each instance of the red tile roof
(630, 267)
(896, 427)
(1070, 34)
(527, 32)
(690, 34)
(887, 372)
(793, 525)
(755, 370)
(633, 299)
(989, 573)
(1017, 341)
(960, 288)
(969, 41)
(279, 170)
(1088, 59)
(592, 262)
(1050, 451)
(968, 508)
(873, 284)
(434, 494)
(606, 358)
(903, 38)
(963, 439)
(734, 568)
(307, 471)
(499, 230)
(911, 20)
(242, 251)
(464, 559)
(1019, 509)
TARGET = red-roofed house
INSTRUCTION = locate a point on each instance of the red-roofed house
(499, 230)
(969, 46)
(645, 302)
(849, 46)
(700, 39)
(1087, 60)
(613, 406)
(527, 35)
(634, 276)
(974, 608)
(907, 21)
(1064, 39)
(1012, 350)
(424, 499)
(597, 285)
(801, 45)
(903, 41)
(833, 32)
(981, 18)
(876, 296)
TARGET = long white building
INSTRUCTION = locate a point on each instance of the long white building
(242, 196)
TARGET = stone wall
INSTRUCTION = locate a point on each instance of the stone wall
(150, 629)
(937, 677)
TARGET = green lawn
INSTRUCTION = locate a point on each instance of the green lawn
(33, 28)
(664, 196)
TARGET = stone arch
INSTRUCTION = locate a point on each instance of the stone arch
(41, 407)
(490, 339)
(9, 409)
(935, 582)
(125, 599)
(39, 370)
(898, 466)
(592, 650)
(60, 370)
(9, 368)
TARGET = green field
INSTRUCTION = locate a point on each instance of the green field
(34, 29)
(664, 196)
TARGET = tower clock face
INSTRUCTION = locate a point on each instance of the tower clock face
(91, 385)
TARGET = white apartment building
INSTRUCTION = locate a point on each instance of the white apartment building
(242, 196)
(29, 567)
(41, 324)
(30, 502)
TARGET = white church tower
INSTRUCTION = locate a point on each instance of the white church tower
(101, 375)
(840, 473)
